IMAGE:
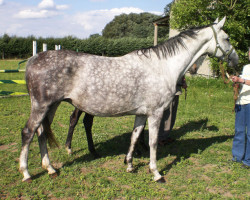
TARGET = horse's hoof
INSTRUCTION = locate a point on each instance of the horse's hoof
(161, 180)
(130, 170)
(54, 175)
(29, 180)
(69, 151)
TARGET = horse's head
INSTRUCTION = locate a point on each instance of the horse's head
(220, 46)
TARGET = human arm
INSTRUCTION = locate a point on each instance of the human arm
(237, 79)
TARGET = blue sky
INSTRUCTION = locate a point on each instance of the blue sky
(59, 18)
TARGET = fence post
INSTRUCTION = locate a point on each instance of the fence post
(34, 48)
(44, 47)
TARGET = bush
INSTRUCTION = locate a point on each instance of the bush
(19, 47)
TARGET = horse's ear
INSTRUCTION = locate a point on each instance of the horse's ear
(216, 21)
(221, 23)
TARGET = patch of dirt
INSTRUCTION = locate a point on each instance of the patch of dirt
(8, 146)
(57, 165)
(126, 187)
(228, 195)
(85, 170)
(62, 125)
(4, 147)
(111, 178)
(212, 190)
(113, 164)
(205, 178)
(195, 161)
(209, 166)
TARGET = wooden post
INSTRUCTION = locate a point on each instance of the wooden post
(249, 53)
(34, 48)
(156, 34)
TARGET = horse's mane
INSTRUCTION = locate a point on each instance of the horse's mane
(172, 45)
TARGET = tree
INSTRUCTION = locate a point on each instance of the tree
(4, 40)
(133, 25)
(167, 9)
(188, 13)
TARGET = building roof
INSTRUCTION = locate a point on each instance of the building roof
(163, 21)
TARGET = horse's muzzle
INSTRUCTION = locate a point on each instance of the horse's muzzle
(233, 59)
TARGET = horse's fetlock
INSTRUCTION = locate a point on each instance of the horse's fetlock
(130, 169)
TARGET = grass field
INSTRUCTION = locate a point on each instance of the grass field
(196, 166)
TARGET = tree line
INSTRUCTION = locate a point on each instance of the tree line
(20, 47)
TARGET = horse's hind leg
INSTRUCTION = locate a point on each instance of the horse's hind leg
(138, 127)
(88, 123)
(73, 121)
(43, 132)
(43, 148)
(35, 120)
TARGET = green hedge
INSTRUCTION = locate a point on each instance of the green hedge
(19, 47)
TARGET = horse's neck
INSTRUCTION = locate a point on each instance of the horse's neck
(181, 62)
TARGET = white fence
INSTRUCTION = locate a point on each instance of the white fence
(45, 48)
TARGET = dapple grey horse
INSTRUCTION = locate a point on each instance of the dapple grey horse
(140, 83)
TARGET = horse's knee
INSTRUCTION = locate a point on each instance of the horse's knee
(26, 136)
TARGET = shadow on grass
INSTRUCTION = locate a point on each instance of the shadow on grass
(181, 148)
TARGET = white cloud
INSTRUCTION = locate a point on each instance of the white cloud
(97, 19)
(1, 2)
(45, 9)
(30, 14)
(62, 7)
(49, 4)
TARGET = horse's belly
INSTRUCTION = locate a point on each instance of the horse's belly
(103, 103)
(106, 108)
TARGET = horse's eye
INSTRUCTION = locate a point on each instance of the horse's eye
(228, 39)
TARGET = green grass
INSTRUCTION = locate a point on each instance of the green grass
(195, 166)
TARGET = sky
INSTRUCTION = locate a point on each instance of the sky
(60, 18)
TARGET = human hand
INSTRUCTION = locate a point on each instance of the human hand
(235, 79)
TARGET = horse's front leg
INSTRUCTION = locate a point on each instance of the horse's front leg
(153, 125)
(138, 127)
(73, 121)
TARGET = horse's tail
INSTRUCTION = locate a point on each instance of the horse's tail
(49, 134)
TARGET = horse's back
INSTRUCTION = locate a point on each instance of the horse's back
(49, 74)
